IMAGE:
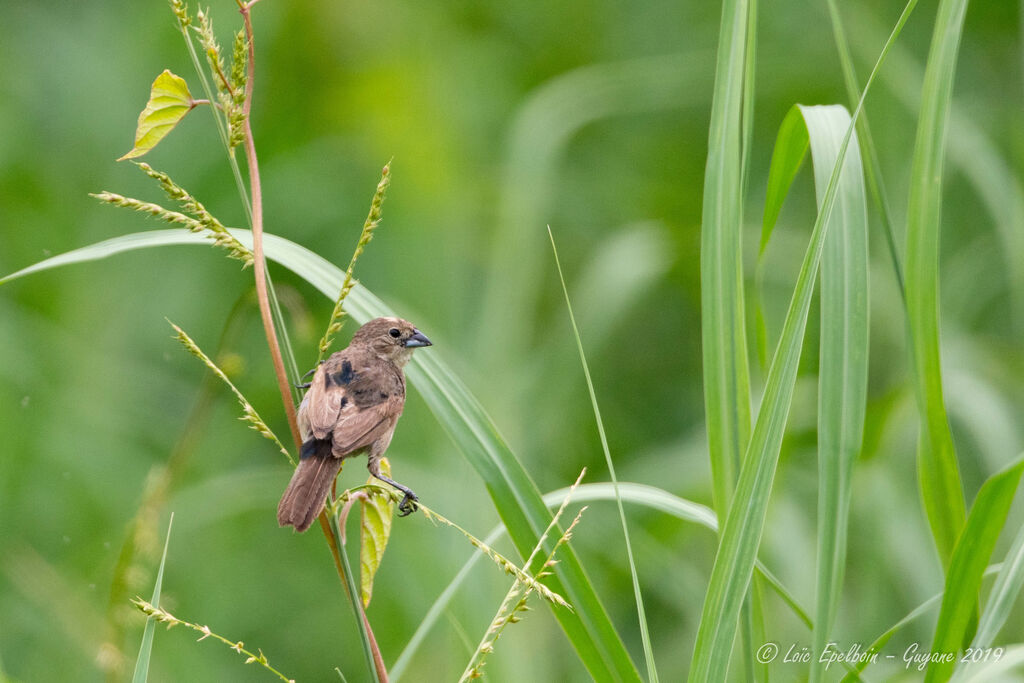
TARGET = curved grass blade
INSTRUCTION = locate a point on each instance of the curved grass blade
(142, 663)
(843, 366)
(1003, 596)
(514, 493)
(967, 564)
(938, 473)
(638, 494)
(880, 642)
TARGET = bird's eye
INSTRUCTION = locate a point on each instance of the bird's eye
(394, 332)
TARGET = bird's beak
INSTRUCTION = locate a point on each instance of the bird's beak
(418, 339)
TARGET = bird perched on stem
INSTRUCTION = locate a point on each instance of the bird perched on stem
(352, 406)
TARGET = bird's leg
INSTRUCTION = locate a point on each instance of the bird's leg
(307, 385)
(408, 504)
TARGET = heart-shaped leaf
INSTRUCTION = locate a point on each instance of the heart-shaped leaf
(169, 101)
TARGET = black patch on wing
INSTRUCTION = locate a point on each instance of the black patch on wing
(343, 377)
(344, 402)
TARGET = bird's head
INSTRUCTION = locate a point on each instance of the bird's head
(391, 338)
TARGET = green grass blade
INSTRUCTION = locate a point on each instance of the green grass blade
(645, 636)
(938, 473)
(142, 663)
(638, 494)
(843, 365)
(1004, 594)
(967, 564)
(741, 534)
(788, 155)
(873, 170)
(726, 376)
(514, 493)
(881, 640)
(743, 526)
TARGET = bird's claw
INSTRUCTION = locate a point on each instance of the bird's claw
(408, 504)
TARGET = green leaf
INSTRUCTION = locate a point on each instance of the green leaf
(843, 366)
(142, 663)
(844, 334)
(1003, 595)
(374, 532)
(968, 562)
(741, 534)
(791, 145)
(514, 493)
(726, 379)
(938, 473)
(169, 101)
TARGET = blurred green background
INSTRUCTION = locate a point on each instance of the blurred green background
(501, 118)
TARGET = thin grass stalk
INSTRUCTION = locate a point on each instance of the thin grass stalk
(374, 662)
(873, 169)
(262, 278)
(751, 626)
(520, 591)
(373, 219)
(645, 636)
(160, 614)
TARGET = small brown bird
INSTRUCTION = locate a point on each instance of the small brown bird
(351, 408)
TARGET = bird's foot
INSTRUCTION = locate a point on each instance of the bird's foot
(408, 504)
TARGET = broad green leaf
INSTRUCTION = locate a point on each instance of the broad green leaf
(843, 366)
(744, 524)
(844, 335)
(374, 531)
(142, 663)
(968, 562)
(514, 493)
(169, 101)
(937, 469)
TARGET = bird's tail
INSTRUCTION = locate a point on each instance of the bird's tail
(307, 492)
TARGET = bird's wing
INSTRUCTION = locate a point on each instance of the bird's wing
(353, 399)
(361, 427)
(321, 405)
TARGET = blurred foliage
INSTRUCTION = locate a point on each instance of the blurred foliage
(497, 126)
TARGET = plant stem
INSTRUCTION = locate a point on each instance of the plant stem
(259, 262)
(260, 271)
